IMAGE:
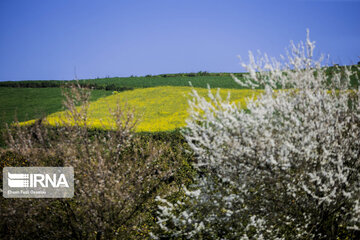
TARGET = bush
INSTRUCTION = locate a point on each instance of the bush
(203, 73)
(117, 176)
(288, 167)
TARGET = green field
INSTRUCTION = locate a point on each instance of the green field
(144, 82)
(30, 103)
(116, 83)
(200, 79)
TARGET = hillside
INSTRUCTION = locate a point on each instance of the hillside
(31, 103)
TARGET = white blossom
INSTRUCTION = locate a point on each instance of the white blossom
(288, 166)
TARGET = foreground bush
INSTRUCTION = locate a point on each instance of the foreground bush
(117, 176)
(288, 167)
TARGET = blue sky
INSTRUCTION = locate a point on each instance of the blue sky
(44, 40)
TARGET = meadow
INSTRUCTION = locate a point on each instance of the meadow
(31, 103)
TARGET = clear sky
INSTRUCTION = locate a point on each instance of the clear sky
(49, 39)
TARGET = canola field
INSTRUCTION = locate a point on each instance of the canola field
(158, 109)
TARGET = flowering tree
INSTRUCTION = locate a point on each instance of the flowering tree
(287, 167)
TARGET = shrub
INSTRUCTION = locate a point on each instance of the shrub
(203, 73)
(288, 167)
(117, 176)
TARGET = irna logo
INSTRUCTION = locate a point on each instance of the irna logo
(36, 180)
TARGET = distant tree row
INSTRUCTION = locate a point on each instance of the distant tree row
(191, 74)
(32, 84)
(55, 83)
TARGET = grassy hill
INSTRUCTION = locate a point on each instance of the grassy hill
(30, 103)
(144, 82)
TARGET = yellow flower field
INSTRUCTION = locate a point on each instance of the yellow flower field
(158, 108)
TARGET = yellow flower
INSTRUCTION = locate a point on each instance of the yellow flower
(158, 108)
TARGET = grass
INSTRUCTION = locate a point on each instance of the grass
(31, 103)
(159, 109)
(223, 81)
